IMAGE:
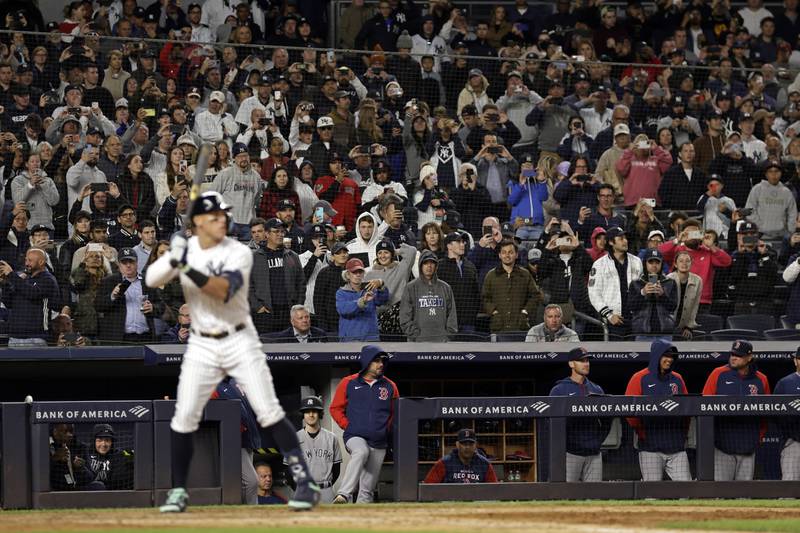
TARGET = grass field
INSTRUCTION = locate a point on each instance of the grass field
(481, 517)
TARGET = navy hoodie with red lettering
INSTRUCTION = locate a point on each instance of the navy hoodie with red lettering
(362, 408)
(658, 433)
(737, 434)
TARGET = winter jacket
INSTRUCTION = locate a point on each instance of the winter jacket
(704, 263)
(39, 201)
(604, 284)
(463, 282)
(139, 193)
(241, 190)
(228, 389)
(510, 298)
(662, 434)
(789, 425)
(585, 434)
(707, 148)
(364, 409)
(450, 469)
(507, 169)
(344, 197)
(29, 302)
(753, 276)
(329, 280)
(428, 308)
(358, 323)
(114, 470)
(642, 176)
(395, 276)
(691, 301)
(85, 313)
(295, 282)
(598, 220)
(737, 434)
(478, 98)
(517, 107)
(653, 314)
(677, 191)
(774, 209)
(473, 206)
(526, 200)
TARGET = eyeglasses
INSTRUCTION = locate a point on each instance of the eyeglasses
(127, 215)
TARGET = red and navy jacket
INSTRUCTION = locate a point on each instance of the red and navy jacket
(789, 425)
(228, 389)
(365, 409)
(737, 434)
(585, 434)
(658, 434)
(450, 469)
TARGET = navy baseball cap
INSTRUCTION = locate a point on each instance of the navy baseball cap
(274, 223)
(385, 245)
(311, 403)
(127, 254)
(466, 435)
(317, 230)
(576, 354)
(453, 237)
(748, 227)
(208, 202)
(741, 347)
(653, 254)
(239, 148)
(614, 232)
(338, 247)
(286, 204)
(103, 430)
(797, 352)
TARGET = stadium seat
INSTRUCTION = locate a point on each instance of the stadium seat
(781, 334)
(756, 322)
(710, 322)
(510, 336)
(733, 334)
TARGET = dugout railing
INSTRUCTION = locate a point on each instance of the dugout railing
(554, 412)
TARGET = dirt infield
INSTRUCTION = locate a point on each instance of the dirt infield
(561, 517)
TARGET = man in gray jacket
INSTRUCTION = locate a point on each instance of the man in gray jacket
(240, 186)
(551, 115)
(277, 281)
(517, 102)
(428, 309)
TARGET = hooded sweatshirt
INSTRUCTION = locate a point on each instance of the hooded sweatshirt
(38, 200)
(658, 434)
(360, 246)
(362, 408)
(478, 98)
(241, 190)
(774, 209)
(642, 176)
(427, 308)
(594, 252)
(395, 276)
(585, 434)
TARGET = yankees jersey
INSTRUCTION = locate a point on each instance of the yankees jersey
(321, 453)
(208, 313)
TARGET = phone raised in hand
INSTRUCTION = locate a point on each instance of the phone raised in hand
(652, 278)
(487, 231)
(99, 187)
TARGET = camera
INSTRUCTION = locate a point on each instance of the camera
(649, 201)
(583, 177)
(99, 187)
(263, 122)
(750, 239)
(74, 111)
(494, 150)
(470, 174)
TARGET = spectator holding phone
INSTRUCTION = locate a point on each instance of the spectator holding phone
(179, 333)
(134, 187)
(357, 303)
(578, 194)
(85, 282)
(717, 208)
(642, 166)
(575, 142)
(34, 187)
(496, 166)
(653, 298)
(754, 272)
(642, 225)
(526, 196)
(82, 173)
(603, 216)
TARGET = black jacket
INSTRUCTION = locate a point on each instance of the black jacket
(287, 335)
(473, 206)
(677, 192)
(139, 193)
(112, 313)
(653, 314)
(739, 175)
(753, 276)
(329, 280)
(29, 302)
(260, 284)
(465, 288)
(563, 284)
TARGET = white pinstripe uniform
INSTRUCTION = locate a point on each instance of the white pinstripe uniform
(208, 360)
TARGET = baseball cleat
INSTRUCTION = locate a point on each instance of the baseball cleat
(339, 499)
(177, 500)
(305, 497)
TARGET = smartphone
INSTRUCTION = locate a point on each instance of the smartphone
(263, 122)
(563, 241)
(643, 145)
(529, 172)
(99, 187)
(319, 213)
(183, 166)
(695, 235)
(746, 212)
(77, 110)
(150, 112)
(95, 105)
(277, 95)
(124, 285)
(494, 150)
(487, 230)
(331, 56)
(652, 278)
(71, 337)
(649, 201)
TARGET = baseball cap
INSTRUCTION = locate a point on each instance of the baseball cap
(469, 110)
(715, 177)
(621, 129)
(69, 88)
(341, 94)
(18, 89)
(453, 237)
(39, 227)
(264, 79)
(138, 12)
(274, 223)
(121, 102)
(286, 204)
(334, 156)
(193, 91)
(127, 254)
(338, 247)
(354, 265)
(514, 73)
(311, 403)
(614, 232)
(653, 254)
(238, 148)
(325, 122)
(82, 215)
(724, 95)
(103, 430)
(151, 17)
(327, 207)
(654, 233)
(475, 72)
(741, 347)
(580, 76)
(748, 227)
(746, 116)
(149, 53)
(208, 202)
(576, 354)
(317, 230)
(534, 255)
(385, 245)
(217, 96)
(466, 435)
(771, 163)
(713, 113)
(453, 219)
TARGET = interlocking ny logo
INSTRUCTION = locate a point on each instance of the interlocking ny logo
(669, 405)
(795, 404)
(540, 407)
(139, 411)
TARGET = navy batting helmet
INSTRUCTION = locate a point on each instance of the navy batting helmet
(208, 202)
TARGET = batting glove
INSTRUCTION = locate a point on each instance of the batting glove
(178, 247)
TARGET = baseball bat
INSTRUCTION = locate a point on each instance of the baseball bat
(199, 174)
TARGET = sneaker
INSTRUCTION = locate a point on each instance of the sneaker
(339, 499)
(177, 500)
(305, 497)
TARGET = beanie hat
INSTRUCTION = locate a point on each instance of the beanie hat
(404, 41)
(426, 171)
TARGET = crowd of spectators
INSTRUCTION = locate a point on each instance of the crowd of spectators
(537, 169)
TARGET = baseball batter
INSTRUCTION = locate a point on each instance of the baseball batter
(320, 446)
(214, 271)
